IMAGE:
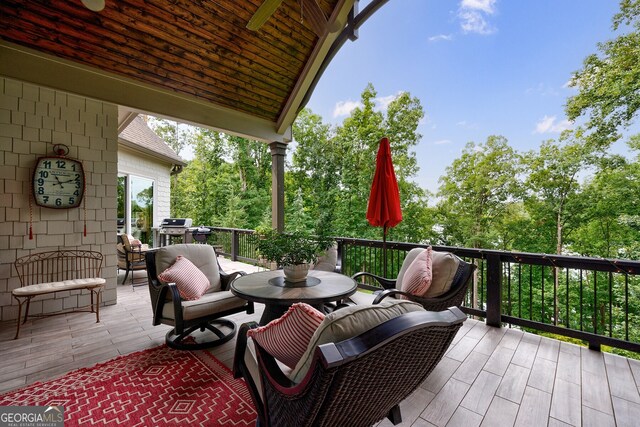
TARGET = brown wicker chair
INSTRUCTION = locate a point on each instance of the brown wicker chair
(356, 382)
(453, 297)
(203, 314)
(130, 257)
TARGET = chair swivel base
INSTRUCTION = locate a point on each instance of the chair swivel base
(184, 341)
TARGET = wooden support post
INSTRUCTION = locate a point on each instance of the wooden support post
(278, 152)
(494, 290)
(235, 243)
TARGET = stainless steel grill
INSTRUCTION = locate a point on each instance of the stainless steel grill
(175, 226)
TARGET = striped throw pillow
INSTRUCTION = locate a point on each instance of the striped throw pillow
(287, 337)
(190, 281)
(417, 278)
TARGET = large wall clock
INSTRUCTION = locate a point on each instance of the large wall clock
(58, 181)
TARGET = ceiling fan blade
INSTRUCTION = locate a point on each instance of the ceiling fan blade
(263, 13)
(313, 14)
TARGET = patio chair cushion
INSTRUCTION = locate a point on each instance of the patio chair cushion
(287, 337)
(444, 268)
(347, 323)
(417, 278)
(190, 281)
(202, 256)
(207, 305)
(328, 261)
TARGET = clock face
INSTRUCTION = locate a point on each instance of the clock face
(58, 182)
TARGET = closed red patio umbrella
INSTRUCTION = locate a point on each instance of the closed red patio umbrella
(384, 201)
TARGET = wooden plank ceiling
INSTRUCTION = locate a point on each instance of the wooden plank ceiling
(199, 49)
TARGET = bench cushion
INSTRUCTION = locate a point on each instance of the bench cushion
(64, 285)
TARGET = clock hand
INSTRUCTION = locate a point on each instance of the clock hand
(59, 183)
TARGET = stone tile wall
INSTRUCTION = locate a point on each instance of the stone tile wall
(32, 120)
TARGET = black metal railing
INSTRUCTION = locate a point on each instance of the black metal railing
(590, 299)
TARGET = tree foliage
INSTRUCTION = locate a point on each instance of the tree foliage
(609, 81)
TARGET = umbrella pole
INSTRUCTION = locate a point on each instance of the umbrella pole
(384, 252)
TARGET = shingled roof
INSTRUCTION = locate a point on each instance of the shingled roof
(140, 137)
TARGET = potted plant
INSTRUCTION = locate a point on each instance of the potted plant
(292, 251)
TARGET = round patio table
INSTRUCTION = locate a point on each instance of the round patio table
(277, 295)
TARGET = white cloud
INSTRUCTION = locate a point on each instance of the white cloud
(467, 125)
(542, 89)
(487, 6)
(548, 125)
(472, 16)
(442, 142)
(344, 108)
(441, 37)
(382, 102)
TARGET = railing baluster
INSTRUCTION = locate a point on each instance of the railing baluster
(626, 306)
(519, 290)
(530, 292)
(581, 292)
(610, 303)
(542, 308)
(509, 288)
(567, 299)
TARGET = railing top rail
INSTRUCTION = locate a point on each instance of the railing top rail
(241, 230)
(552, 260)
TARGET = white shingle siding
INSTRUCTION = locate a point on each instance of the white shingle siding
(32, 119)
(131, 163)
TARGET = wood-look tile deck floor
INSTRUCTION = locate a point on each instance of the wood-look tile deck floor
(489, 377)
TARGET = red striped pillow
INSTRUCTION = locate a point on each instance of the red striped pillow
(417, 278)
(190, 281)
(287, 337)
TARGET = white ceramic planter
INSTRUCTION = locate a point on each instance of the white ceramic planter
(296, 273)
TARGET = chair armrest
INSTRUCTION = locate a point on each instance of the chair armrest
(241, 348)
(388, 292)
(177, 303)
(267, 365)
(227, 278)
(386, 283)
(270, 369)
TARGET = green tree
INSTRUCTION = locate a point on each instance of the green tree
(475, 191)
(177, 137)
(609, 81)
(551, 197)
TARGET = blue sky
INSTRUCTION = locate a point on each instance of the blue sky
(479, 68)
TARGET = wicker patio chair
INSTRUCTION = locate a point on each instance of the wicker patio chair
(452, 297)
(205, 313)
(356, 382)
(130, 257)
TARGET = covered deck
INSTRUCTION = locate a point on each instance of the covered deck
(489, 377)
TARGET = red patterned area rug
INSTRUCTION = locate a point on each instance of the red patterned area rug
(156, 387)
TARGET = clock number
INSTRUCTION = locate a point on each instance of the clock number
(61, 164)
(58, 202)
(72, 200)
(40, 190)
(44, 174)
(76, 193)
(73, 166)
(45, 198)
(40, 181)
(47, 164)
